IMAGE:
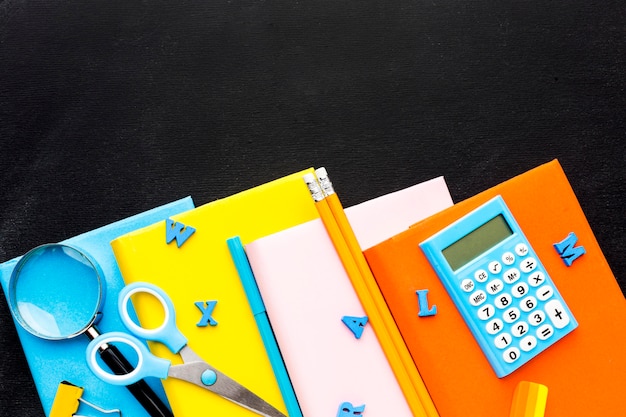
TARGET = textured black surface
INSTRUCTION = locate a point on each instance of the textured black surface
(110, 108)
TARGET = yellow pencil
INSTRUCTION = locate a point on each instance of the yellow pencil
(389, 337)
(375, 297)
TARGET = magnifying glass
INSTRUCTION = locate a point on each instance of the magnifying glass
(56, 292)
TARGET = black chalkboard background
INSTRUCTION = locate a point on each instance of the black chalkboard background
(110, 108)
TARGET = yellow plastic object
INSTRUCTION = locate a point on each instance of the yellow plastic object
(66, 401)
(529, 400)
(202, 270)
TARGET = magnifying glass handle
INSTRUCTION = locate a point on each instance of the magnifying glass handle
(119, 365)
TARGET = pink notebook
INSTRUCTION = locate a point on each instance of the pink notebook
(307, 293)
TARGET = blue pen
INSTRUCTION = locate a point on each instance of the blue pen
(260, 315)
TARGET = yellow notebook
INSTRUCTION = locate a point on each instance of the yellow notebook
(202, 271)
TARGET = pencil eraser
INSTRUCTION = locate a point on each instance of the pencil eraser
(347, 409)
(309, 178)
(314, 187)
(529, 400)
(321, 172)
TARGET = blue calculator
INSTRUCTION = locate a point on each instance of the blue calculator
(499, 286)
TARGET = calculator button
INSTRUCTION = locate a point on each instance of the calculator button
(486, 312)
(536, 279)
(511, 275)
(503, 301)
(503, 340)
(494, 287)
(508, 258)
(495, 267)
(544, 332)
(528, 343)
(520, 290)
(511, 355)
(520, 329)
(494, 326)
(536, 318)
(521, 249)
(481, 275)
(477, 298)
(511, 315)
(545, 292)
(528, 303)
(528, 265)
(467, 285)
(558, 316)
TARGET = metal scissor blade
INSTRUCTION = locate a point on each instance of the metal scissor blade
(241, 395)
(193, 370)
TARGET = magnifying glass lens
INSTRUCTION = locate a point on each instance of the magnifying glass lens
(55, 292)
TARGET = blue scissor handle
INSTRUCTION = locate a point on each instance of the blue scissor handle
(167, 333)
(147, 365)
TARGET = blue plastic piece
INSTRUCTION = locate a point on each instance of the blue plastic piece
(347, 409)
(208, 377)
(207, 309)
(422, 300)
(567, 249)
(178, 231)
(355, 324)
(167, 333)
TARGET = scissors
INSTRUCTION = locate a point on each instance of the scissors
(193, 369)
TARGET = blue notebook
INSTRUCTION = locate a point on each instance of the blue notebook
(53, 361)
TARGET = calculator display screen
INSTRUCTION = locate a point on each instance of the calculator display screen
(477, 242)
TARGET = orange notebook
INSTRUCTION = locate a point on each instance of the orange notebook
(585, 372)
